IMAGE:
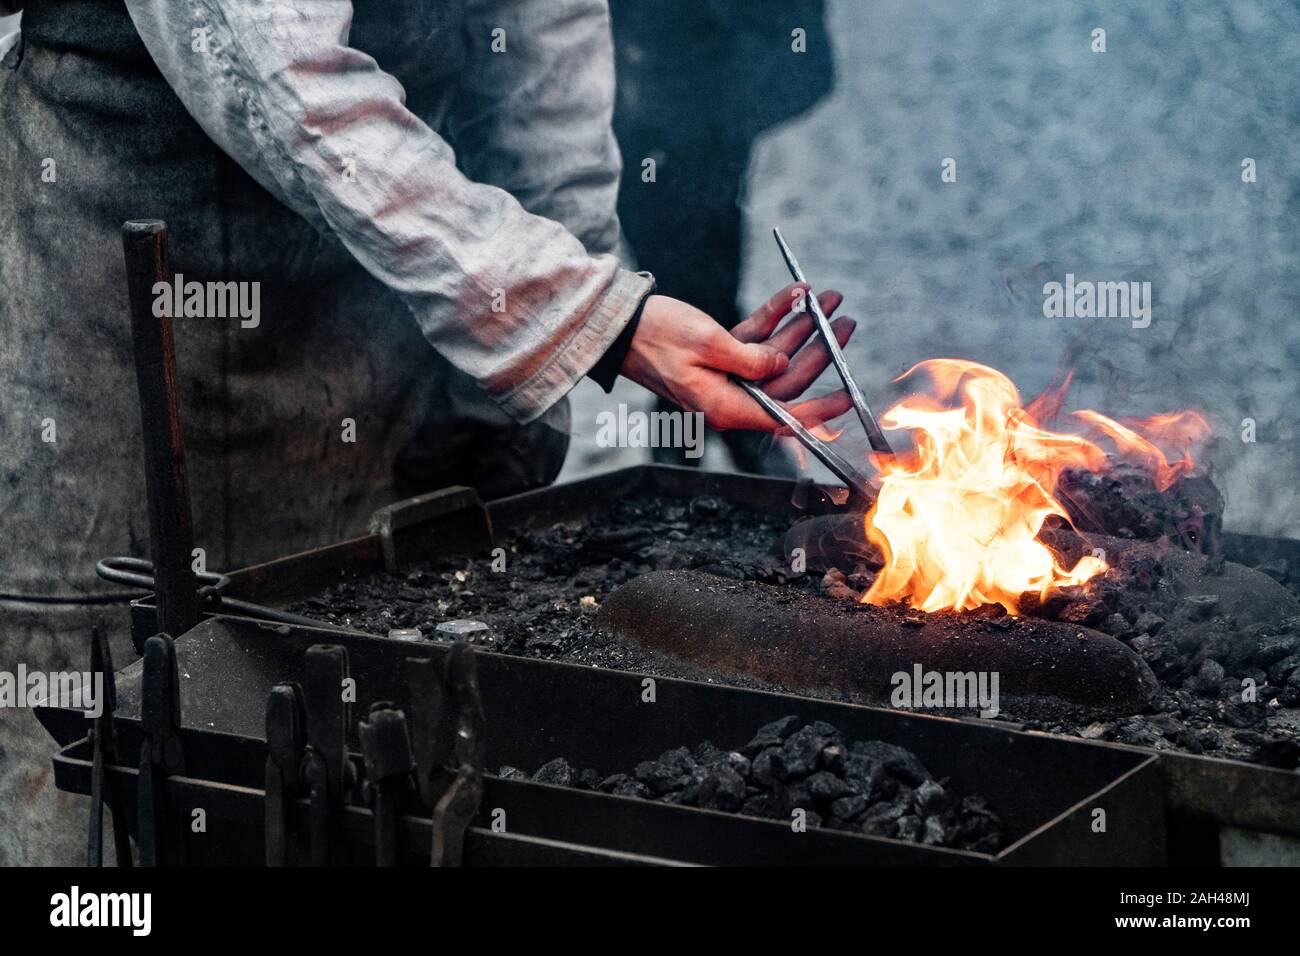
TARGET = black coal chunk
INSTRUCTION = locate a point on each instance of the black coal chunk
(557, 772)
(723, 789)
(771, 735)
(900, 763)
(798, 756)
(672, 771)
(862, 786)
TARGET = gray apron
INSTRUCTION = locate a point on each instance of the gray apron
(263, 409)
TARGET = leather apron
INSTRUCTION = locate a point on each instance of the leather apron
(90, 136)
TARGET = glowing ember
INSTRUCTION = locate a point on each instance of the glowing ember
(957, 518)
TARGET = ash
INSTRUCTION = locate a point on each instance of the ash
(867, 787)
(543, 606)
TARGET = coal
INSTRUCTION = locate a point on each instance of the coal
(1123, 501)
(820, 644)
(557, 772)
(542, 606)
(1154, 584)
(832, 541)
(1210, 628)
(876, 788)
(771, 735)
(723, 790)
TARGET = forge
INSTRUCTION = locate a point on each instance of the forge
(665, 666)
(699, 585)
(966, 561)
(1092, 582)
(588, 771)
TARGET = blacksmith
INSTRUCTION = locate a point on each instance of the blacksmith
(424, 193)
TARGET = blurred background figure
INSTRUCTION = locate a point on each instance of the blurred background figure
(698, 81)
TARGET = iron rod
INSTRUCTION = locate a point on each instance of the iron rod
(874, 435)
(857, 483)
(171, 534)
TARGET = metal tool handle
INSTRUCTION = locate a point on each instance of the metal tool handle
(386, 747)
(171, 535)
(286, 741)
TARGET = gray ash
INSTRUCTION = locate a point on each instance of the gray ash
(869, 787)
(543, 604)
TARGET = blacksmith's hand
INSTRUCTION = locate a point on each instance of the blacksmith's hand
(683, 355)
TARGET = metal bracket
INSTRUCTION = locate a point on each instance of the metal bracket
(388, 522)
(160, 752)
(103, 742)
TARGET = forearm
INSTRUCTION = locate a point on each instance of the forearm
(511, 298)
(535, 113)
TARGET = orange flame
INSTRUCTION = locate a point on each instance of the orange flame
(1179, 428)
(957, 518)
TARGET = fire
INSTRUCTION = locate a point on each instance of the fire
(957, 518)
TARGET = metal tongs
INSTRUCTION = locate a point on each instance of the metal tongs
(857, 483)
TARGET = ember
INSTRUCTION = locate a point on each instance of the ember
(957, 519)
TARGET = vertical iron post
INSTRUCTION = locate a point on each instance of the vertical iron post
(171, 534)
